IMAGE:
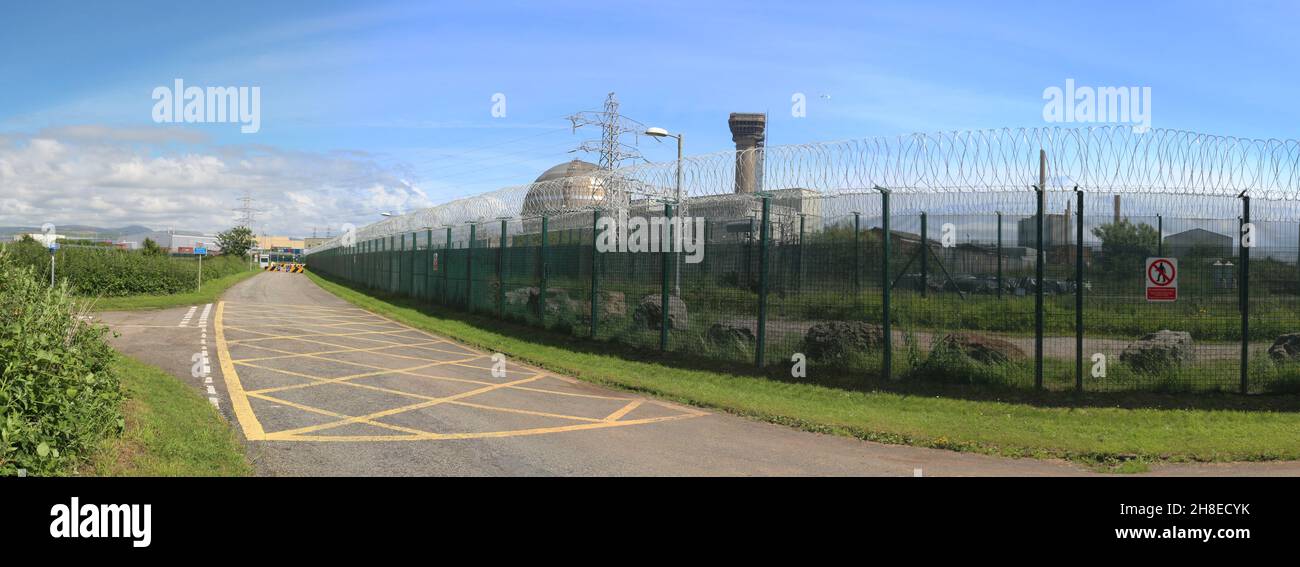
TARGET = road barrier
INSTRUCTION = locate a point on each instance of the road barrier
(287, 267)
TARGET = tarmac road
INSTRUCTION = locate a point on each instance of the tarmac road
(319, 387)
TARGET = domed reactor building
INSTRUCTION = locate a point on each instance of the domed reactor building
(567, 192)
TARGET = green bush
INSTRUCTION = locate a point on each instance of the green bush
(106, 272)
(58, 394)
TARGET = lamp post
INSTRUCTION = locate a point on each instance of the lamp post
(677, 258)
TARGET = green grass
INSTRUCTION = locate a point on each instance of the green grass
(1122, 438)
(210, 291)
(170, 431)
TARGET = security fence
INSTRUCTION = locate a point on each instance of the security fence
(1036, 286)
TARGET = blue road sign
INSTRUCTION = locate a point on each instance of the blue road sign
(201, 251)
(53, 246)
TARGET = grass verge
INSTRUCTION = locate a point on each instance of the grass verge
(210, 291)
(1114, 438)
(170, 431)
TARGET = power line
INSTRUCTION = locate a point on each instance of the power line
(489, 158)
(498, 144)
(247, 214)
(613, 126)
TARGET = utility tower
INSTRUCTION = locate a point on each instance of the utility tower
(613, 127)
(247, 214)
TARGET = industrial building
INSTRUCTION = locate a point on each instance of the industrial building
(576, 185)
(1199, 242)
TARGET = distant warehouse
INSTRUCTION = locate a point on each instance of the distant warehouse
(1199, 242)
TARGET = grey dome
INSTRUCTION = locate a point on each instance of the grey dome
(568, 186)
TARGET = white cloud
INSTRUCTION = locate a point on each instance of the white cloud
(109, 177)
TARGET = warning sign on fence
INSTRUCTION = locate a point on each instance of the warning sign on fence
(1162, 279)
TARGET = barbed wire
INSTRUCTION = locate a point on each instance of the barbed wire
(949, 172)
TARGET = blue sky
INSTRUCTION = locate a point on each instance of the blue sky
(389, 105)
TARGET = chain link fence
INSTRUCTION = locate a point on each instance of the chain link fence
(964, 272)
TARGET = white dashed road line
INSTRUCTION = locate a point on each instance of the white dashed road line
(205, 368)
(185, 321)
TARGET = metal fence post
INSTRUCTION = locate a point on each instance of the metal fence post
(999, 254)
(798, 272)
(1244, 282)
(925, 260)
(857, 257)
(663, 292)
(469, 269)
(428, 264)
(446, 271)
(501, 271)
(1078, 298)
(887, 364)
(1039, 269)
(392, 246)
(765, 235)
(414, 250)
(543, 268)
(595, 271)
(1160, 236)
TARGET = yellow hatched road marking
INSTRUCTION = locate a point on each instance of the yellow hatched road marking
(253, 429)
(623, 411)
(339, 351)
(281, 436)
(238, 400)
(404, 409)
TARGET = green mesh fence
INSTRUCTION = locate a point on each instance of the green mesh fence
(963, 298)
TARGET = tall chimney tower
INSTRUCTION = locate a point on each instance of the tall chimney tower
(749, 132)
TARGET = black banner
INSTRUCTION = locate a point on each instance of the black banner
(1125, 515)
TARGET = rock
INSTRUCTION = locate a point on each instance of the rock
(726, 335)
(649, 314)
(522, 296)
(557, 300)
(1158, 351)
(1286, 348)
(986, 350)
(613, 303)
(609, 303)
(833, 339)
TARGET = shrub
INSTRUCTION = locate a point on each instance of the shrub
(58, 394)
(101, 272)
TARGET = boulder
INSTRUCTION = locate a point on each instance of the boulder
(609, 303)
(1286, 348)
(727, 335)
(649, 314)
(833, 339)
(986, 350)
(557, 300)
(522, 296)
(613, 303)
(1158, 351)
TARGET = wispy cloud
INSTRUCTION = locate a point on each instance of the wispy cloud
(100, 175)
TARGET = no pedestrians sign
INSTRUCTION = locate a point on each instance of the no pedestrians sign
(1162, 279)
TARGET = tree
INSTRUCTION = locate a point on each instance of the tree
(151, 248)
(1125, 246)
(27, 239)
(236, 241)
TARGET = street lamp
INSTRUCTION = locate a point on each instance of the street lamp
(657, 132)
